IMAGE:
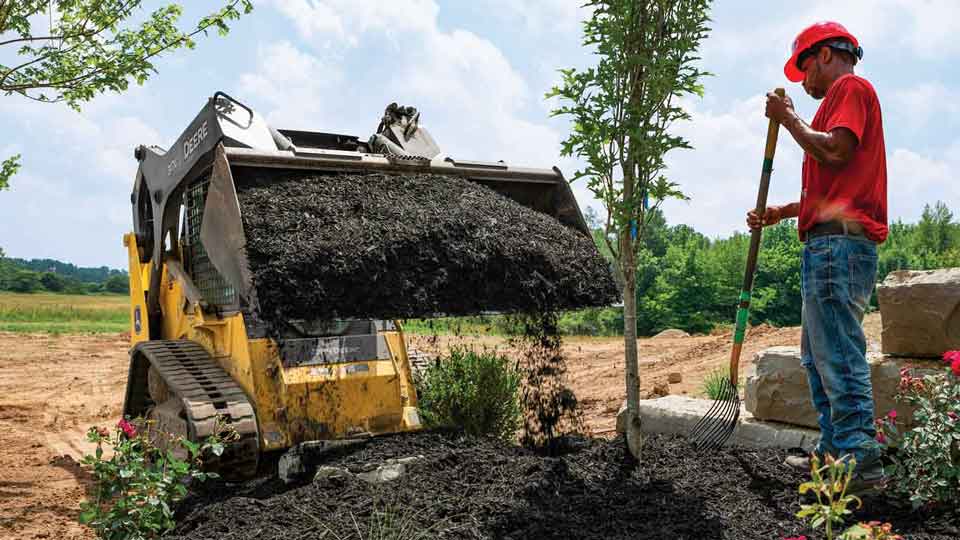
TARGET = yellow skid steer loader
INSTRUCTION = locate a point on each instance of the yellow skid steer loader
(199, 352)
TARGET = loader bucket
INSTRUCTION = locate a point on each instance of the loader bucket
(229, 151)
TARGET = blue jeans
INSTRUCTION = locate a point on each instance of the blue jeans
(838, 274)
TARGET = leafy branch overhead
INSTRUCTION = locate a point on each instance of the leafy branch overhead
(72, 50)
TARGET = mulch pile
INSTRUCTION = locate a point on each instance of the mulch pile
(468, 488)
(409, 246)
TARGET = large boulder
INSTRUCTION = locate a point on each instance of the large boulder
(777, 388)
(920, 312)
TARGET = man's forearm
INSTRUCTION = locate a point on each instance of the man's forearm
(791, 210)
(824, 147)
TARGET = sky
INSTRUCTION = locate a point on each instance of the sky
(478, 72)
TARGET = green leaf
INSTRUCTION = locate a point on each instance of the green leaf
(88, 516)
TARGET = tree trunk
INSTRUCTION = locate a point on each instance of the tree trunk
(629, 269)
(632, 378)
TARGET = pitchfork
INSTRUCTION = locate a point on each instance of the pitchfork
(713, 430)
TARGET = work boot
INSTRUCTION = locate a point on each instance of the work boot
(869, 478)
(802, 463)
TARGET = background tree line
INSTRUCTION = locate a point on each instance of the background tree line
(36, 275)
(688, 281)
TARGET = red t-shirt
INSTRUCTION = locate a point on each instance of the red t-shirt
(858, 190)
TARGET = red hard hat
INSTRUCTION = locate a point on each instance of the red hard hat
(811, 35)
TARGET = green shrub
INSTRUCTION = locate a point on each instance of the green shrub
(714, 382)
(475, 391)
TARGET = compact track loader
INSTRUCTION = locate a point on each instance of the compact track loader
(199, 351)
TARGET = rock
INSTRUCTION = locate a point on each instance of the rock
(622, 418)
(385, 473)
(777, 388)
(920, 312)
(675, 378)
(409, 460)
(676, 415)
(326, 472)
(671, 333)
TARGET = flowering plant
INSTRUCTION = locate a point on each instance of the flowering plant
(830, 484)
(927, 457)
(136, 487)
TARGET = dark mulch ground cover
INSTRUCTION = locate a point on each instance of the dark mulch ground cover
(382, 246)
(468, 488)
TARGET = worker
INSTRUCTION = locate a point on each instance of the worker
(842, 217)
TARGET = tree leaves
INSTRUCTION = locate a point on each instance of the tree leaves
(8, 168)
(622, 109)
(92, 46)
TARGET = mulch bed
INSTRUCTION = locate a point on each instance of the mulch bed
(391, 247)
(468, 488)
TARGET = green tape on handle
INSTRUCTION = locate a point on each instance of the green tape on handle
(741, 330)
(767, 165)
(744, 296)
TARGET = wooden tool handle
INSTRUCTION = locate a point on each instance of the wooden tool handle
(743, 308)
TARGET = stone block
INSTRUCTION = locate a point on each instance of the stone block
(920, 312)
(777, 388)
(677, 415)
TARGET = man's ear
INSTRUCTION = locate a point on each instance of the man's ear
(826, 55)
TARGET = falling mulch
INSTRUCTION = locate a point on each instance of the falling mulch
(340, 246)
(470, 488)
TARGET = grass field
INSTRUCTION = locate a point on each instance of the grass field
(64, 314)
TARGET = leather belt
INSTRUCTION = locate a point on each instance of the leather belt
(844, 228)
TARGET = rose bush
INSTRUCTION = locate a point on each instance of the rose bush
(135, 488)
(927, 457)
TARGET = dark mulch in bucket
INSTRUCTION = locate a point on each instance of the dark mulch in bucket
(382, 246)
(469, 488)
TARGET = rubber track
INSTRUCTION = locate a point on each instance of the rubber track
(207, 390)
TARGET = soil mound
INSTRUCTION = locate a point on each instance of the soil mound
(409, 246)
(671, 333)
(469, 488)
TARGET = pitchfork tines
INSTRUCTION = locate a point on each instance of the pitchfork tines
(713, 430)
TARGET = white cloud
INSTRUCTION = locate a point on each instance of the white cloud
(543, 15)
(331, 23)
(292, 83)
(114, 155)
(470, 96)
(915, 179)
(919, 104)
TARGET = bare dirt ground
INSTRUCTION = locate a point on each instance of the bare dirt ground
(52, 388)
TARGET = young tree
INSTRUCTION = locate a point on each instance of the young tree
(72, 50)
(622, 110)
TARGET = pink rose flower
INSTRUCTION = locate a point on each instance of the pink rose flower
(128, 429)
(951, 356)
(955, 367)
(952, 415)
(892, 415)
(796, 538)
(881, 438)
